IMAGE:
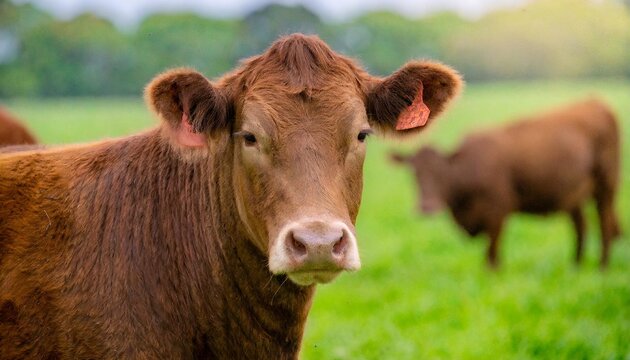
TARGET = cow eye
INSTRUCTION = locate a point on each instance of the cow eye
(363, 134)
(248, 137)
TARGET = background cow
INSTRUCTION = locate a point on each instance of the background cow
(203, 237)
(12, 132)
(552, 162)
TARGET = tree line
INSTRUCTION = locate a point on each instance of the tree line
(88, 56)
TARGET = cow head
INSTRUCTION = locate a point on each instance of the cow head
(297, 118)
(430, 169)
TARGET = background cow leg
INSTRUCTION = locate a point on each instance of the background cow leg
(494, 232)
(580, 226)
(607, 224)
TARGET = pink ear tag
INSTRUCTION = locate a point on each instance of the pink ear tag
(187, 137)
(416, 115)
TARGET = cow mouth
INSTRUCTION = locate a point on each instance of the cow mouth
(310, 277)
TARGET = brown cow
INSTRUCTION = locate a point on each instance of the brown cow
(204, 237)
(553, 162)
(12, 132)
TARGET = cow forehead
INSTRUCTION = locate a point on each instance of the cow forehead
(278, 93)
(290, 113)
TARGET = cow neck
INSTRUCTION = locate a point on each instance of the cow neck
(257, 303)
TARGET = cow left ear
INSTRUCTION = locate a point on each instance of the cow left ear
(189, 105)
(406, 101)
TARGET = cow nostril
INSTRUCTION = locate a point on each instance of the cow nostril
(340, 246)
(297, 246)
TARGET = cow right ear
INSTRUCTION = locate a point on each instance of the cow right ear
(189, 105)
(411, 97)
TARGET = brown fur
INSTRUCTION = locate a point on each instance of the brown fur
(12, 132)
(143, 248)
(552, 162)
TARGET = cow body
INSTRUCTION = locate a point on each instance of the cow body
(12, 132)
(205, 237)
(548, 163)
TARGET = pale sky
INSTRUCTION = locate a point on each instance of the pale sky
(126, 13)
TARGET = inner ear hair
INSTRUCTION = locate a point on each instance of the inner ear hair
(185, 91)
(441, 84)
(390, 96)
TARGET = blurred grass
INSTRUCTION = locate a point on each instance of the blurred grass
(423, 291)
(69, 120)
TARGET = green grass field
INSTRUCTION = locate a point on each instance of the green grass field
(423, 292)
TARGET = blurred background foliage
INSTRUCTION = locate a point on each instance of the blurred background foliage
(88, 56)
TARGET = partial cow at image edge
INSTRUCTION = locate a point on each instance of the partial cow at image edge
(12, 131)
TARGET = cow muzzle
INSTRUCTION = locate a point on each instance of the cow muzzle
(314, 251)
(430, 207)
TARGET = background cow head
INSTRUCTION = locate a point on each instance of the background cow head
(297, 118)
(450, 181)
(430, 169)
